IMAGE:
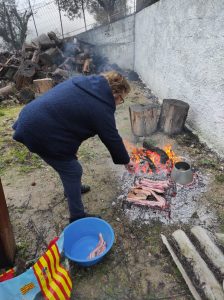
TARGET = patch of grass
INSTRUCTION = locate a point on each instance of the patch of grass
(18, 156)
(1, 113)
(220, 213)
(206, 162)
(13, 154)
(219, 178)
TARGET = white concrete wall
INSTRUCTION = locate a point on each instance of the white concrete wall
(115, 41)
(179, 53)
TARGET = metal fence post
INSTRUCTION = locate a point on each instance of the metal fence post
(7, 240)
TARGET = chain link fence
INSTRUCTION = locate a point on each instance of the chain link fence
(47, 17)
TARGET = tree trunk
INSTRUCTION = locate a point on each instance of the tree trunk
(173, 116)
(144, 119)
(84, 16)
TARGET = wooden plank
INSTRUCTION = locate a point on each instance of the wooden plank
(211, 250)
(220, 237)
(7, 240)
(181, 269)
(207, 281)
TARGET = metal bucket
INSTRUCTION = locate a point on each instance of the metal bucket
(182, 173)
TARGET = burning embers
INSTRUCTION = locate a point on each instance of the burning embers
(150, 159)
(151, 193)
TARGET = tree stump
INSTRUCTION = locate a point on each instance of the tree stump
(144, 118)
(173, 116)
(25, 73)
(42, 85)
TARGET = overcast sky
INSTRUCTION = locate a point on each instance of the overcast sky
(46, 16)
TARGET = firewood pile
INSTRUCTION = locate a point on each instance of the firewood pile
(46, 58)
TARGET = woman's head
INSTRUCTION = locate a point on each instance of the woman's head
(118, 84)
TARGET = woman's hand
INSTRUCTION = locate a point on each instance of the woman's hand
(130, 167)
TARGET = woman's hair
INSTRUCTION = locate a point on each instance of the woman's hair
(118, 83)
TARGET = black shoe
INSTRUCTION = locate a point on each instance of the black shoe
(85, 188)
(85, 215)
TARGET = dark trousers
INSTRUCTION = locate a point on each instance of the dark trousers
(70, 173)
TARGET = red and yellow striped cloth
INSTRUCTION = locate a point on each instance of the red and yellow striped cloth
(7, 275)
(54, 280)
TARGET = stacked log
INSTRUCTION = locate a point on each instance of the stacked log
(46, 56)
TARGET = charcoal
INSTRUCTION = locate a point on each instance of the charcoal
(163, 156)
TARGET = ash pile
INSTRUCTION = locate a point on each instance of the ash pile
(43, 63)
(152, 194)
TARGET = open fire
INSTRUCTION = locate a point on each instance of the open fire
(147, 190)
(151, 159)
(151, 195)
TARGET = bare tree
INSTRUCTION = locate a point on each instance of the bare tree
(13, 24)
(106, 11)
(74, 8)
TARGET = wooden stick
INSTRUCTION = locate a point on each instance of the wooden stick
(7, 240)
(181, 269)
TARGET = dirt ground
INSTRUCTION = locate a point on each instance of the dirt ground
(138, 267)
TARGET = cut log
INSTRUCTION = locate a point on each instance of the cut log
(163, 156)
(52, 35)
(173, 116)
(220, 237)
(44, 42)
(205, 278)
(26, 95)
(8, 72)
(7, 90)
(25, 73)
(43, 85)
(181, 269)
(7, 62)
(144, 118)
(51, 56)
(209, 247)
(36, 56)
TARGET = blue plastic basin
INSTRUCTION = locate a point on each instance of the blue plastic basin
(82, 236)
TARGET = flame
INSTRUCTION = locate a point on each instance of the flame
(148, 161)
(171, 154)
